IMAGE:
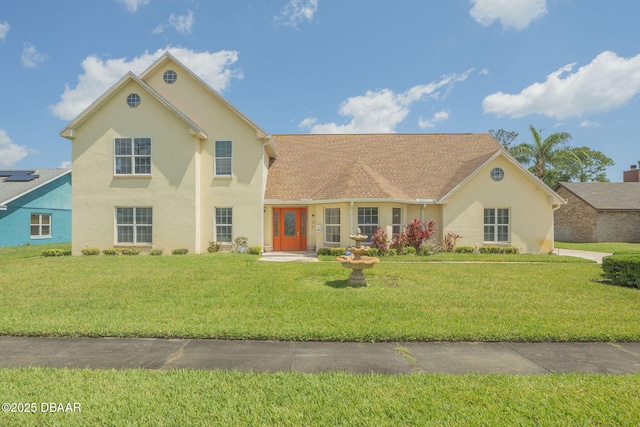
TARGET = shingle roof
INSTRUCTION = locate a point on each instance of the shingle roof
(377, 166)
(10, 190)
(607, 195)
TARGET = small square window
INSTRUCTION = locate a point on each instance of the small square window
(169, 76)
(133, 100)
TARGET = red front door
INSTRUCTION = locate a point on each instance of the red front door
(290, 229)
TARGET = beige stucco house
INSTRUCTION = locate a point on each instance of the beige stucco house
(161, 160)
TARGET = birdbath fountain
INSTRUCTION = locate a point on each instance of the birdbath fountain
(356, 261)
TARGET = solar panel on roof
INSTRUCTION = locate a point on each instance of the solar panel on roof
(18, 176)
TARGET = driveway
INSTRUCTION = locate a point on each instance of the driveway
(594, 256)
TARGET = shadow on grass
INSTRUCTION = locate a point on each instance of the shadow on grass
(338, 284)
(608, 282)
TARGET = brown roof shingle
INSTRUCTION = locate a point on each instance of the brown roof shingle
(380, 166)
(607, 195)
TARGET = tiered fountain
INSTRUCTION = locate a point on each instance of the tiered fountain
(357, 262)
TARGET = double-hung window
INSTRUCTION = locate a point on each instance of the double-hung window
(223, 158)
(396, 221)
(134, 225)
(224, 223)
(496, 225)
(332, 225)
(132, 156)
(368, 221)
(40, 225)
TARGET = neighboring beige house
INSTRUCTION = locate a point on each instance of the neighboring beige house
(162, 160)
(600, 211)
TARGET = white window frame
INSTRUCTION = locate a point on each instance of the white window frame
(223, 225)
(134, 226)
(328, 224)
(370, 225)
(40, 225)
(216, 158)
(131, 156)
(496, 225)
(396, 225)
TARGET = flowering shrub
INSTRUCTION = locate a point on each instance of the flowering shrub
(449, 241)
(380, 240)
(417, 232)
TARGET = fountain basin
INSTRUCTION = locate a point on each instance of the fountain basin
(357, 264)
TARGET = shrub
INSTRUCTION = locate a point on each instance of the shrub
(155, 252)
(399, 241)
(429, 247)
(380, 240)
(130, 251)
(464, 250)
(337, 251)
(254, 250)
(110, 251)
(511, 250)
(391, 252)
(449, 241)
(374, 252)
(90, 251)
(622, 269)
(417, 232)
(52, 252)
(408, 250)
(324, 251)
(180, 251)
(498, 250)
(240, 242)
(213, 247)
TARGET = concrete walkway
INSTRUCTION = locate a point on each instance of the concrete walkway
(594, 256)
(308, 357)
(289, 257)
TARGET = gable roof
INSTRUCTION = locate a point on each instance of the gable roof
(69, 130)
(12, 190)
(607, 195)
(407, 167)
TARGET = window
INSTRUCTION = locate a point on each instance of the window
(368, 221)
(224, 221)
(396, 220)
(133, 100)
(223, 158)
(497, 174)
(332, 225)
(134, 225)
(169, 76)
(496, 225)
(40, 225)
(132, 156)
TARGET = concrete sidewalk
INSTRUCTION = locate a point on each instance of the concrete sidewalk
(593, 256)
(308, 357)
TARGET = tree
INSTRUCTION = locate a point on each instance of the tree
(504, 137)
(591, 167)
(552, 153)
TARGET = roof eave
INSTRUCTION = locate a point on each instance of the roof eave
(24, 193)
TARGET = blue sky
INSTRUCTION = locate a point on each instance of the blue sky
(327, 66)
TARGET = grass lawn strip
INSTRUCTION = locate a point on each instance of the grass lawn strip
(236, 296)
(606, 247)
(211, 398)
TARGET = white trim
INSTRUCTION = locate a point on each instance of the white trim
(39, 225)
(133, 156)
(134, 225)
(349, 200)
(215, 223)
(215, 158)
(496, 225)
(339, 225)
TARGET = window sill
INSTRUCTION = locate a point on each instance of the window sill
(133, 245)
(132, 176)
(41, 237)
(496, 243)
(223, 177)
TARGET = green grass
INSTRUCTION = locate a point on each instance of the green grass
(236, 296)
(607, 247)
(216, 398)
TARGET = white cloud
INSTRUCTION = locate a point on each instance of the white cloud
(65, 165)
(516, 14)
(133, 5)
(438, 117)
(484, 72)
(609, 81)
(181, 23)
(381, 111)
(31, 58)
(99, 75)
(297, 11)
(589, 124)
(4, 29)
(10, 153)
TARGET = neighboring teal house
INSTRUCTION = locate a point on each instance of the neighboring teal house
(35, 206)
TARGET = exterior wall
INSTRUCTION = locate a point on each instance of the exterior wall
(531, 211)
(170, 190)
(244, 190)
(613, 226)
(53, 199)
(577, 221)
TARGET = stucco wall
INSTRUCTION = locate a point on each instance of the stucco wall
(577, 221)
(54, 199)
(531, 211)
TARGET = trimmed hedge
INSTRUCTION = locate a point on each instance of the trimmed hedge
(254, 250)
(155, 252)
(180, 251)
(498, 250)
(53, 252)
(464, 250)
(90, 251)
(622, 268)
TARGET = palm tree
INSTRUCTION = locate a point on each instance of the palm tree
(544, 155)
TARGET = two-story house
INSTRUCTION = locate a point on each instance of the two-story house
(162, 160)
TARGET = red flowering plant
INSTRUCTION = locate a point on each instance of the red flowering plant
(380, 240)
(417, 232)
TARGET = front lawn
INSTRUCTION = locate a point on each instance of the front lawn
(606, 247)
(237, 296)
(216, 398)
